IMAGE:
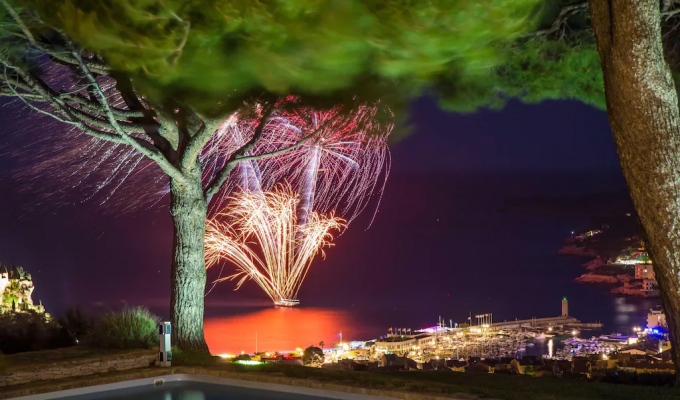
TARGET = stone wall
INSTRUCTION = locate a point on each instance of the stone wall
(24, 374)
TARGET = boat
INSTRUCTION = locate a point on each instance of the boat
(287, 303)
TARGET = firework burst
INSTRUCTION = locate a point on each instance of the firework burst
(343, 164)
(263, 237)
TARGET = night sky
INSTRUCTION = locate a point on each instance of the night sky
(438, 238)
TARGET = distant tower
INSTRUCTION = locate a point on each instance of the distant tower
(565, 307)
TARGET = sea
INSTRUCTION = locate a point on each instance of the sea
(440, 248)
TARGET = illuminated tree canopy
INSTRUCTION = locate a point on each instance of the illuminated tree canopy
(201, 50)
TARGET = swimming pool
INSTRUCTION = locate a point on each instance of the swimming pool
(196, 387)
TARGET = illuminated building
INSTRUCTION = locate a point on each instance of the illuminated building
(404, 343)
(644, 271)
(656, 318)
(650, 287)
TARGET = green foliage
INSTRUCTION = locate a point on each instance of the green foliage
(532, 70)
(202, 51)
(129, 328)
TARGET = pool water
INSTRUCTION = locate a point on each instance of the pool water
(193, 391)
(196, 387)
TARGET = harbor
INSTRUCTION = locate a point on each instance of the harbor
(563, 337)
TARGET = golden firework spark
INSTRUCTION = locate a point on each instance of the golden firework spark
(261, 236)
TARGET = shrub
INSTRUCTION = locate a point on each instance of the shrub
(28, 331)
(129, 328)
(75, 326)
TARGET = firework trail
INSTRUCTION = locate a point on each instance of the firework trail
(342, 167)
(285, 247)
(353, 161)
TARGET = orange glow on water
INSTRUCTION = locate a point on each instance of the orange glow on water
(278, 329)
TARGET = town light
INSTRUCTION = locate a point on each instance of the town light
(249, 362)
(574, 332)
(550, 329)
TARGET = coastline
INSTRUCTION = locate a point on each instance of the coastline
(602, 269)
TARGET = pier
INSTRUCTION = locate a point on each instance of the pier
(564, 321)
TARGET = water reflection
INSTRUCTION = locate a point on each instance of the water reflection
(277, 329)
(550, 348)
(184, 395)
(629, 312)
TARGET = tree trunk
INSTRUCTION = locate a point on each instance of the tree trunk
(189, 211)
(642, 105)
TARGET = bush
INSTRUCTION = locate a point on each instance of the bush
(75, 326)
(29, 331)
(130, 328)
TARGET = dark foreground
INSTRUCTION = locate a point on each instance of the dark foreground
(448, 383)
(412, 385)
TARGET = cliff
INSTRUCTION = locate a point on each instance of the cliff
(16, 291)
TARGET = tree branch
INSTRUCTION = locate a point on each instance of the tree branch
(199, 139)
(565, 13)
(133, 127)
(218, 181)
(146, 119)
(570, 10)
(148, 150)
(239, 156)
(19, 21)
(89, 105)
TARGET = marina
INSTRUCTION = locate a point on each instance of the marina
(557, 337)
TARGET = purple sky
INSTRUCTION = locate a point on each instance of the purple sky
(80, 255)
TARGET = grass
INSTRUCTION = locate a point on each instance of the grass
(66, 354)
(190, 358)
(497, 386)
